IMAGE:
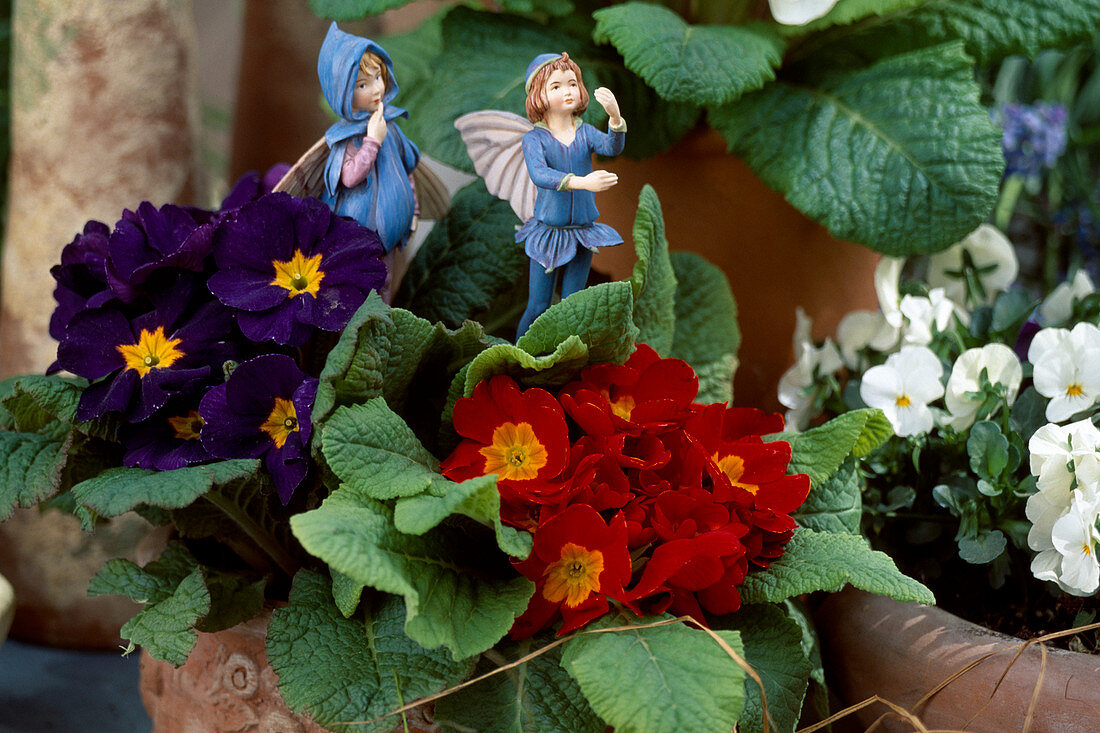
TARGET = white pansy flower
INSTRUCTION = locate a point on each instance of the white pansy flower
(992, 255)
(1058, 306)
(1075, 537)
(903, 387)
(862, 329)
(796, 385)
(1061, 455)
(1043, 509)
(1067, 368)
(799, 12)
(1001, 365)
(924, 317)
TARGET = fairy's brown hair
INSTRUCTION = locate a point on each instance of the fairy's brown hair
(371, 60)
(537, 104)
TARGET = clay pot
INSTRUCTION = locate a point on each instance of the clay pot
(775, 257)
(873, 645)
(227, 685)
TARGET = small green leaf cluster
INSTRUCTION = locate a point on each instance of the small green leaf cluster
(868, 119)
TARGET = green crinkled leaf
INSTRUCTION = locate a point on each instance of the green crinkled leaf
(175, 595)
(822, 561)
(601, 316)
(552, 370)
(233, 600)
(118, 490)
(537, 695)
(468, 261)
(31, 468)
(702, 64)
(988, 450)
(476, 498)
(835, 505)
(346, 593)
(706, 334)
(990, 29)
(900, 156)
(372, 449)
(166, 629)
(849, 11)
(353, 9)
(653, 282)
(394, 354)
(589, 327)
(664, 678)
(338, 669)
(454, 596)
(820, 451)
(37, 402)
(773, 648)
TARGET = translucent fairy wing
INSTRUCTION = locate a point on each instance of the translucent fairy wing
(306, 178)
(494, 140)
(432, 193)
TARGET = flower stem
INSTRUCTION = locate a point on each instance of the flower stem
(256, 533)
(1010, 194)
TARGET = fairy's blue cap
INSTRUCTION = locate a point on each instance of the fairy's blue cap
(541, 60)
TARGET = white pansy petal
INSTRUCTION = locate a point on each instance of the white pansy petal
(988, 248)
(1049, 441)
(829, 360)
(1058, 306)
(916, 419)
(1048, 339)
(1047, 565)
(880, 387)
(887, 274)
(799, 12)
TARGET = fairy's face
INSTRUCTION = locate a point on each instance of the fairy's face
(563, 93)
(370, 85)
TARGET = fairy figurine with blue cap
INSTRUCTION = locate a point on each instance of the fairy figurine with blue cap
(365, 167)
(555, 195)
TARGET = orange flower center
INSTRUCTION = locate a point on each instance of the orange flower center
(1074, 390)
(299, 275)
(188, 426)
(282, 421)
(734, 468)
(153, 350)
(515, 453)
(574, 577)
(903, 400)
(621, 407)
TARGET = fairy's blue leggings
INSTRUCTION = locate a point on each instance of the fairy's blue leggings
(541, 285)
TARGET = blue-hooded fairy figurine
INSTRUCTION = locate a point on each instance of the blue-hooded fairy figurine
(368, 174)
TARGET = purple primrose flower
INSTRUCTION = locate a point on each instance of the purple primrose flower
(141, 362)
(263, 410)
(81, 277)
(169, 439)
(289, 264)
(151, 240)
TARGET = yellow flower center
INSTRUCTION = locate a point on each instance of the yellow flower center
(903, 400)
(299, 275)
(282, 421)
(1075, 390)
(1087, 548)
(734, 468)
(188, 426)
(152, 351)
(622, 406)
(515, 453)
(574, 577)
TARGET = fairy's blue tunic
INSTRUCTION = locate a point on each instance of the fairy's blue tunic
(384, 201)
(564, 219)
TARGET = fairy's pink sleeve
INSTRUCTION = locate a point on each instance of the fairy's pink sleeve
(358, 163)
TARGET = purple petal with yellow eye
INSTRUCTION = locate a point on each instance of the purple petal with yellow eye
(290, 265)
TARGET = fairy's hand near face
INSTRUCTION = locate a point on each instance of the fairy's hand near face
(376, 127)
(610, 105)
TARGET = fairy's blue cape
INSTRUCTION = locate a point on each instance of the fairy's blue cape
(384, 201)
